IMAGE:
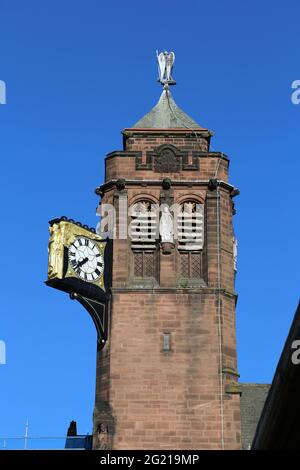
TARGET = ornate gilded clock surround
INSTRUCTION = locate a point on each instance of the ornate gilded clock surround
(62, 234)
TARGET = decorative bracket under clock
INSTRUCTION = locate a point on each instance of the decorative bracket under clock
(79, 263)
(99, 313)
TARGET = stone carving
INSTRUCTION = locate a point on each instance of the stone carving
(167, 162)
(103, 437)
(104, 426)
(166, 228)
(212, 184)
(168, 159)
(120, 184)
(166, 183)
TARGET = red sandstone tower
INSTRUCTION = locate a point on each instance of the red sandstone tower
(167, 377)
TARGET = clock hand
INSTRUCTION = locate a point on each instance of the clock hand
(80, 263)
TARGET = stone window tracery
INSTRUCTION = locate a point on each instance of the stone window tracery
(144, 236)
(190, 236)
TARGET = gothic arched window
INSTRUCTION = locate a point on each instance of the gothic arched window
(144, 235)
(190, 236)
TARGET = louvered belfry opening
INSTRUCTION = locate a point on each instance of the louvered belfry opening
(144, 239)
(190, 226)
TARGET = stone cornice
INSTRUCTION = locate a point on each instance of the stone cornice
(171, 131)
(154, 182)
(133, 153)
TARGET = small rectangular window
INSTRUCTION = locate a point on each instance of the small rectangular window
(166, 342)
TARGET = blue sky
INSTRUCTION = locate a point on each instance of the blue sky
(77, 73)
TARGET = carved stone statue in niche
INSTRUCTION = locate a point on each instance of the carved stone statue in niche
(103, 437)
(166, 230)
(104, 426)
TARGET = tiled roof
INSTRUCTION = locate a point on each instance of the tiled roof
(252, 401)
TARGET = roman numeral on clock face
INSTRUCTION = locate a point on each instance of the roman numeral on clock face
(85, 259)
(74, 265)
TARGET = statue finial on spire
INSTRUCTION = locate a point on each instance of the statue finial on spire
(165, 66)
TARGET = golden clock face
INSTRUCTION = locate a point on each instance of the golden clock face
(86, 259)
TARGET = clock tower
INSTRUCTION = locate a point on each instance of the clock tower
(167, 374)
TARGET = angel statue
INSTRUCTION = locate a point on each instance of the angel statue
(165, 66)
